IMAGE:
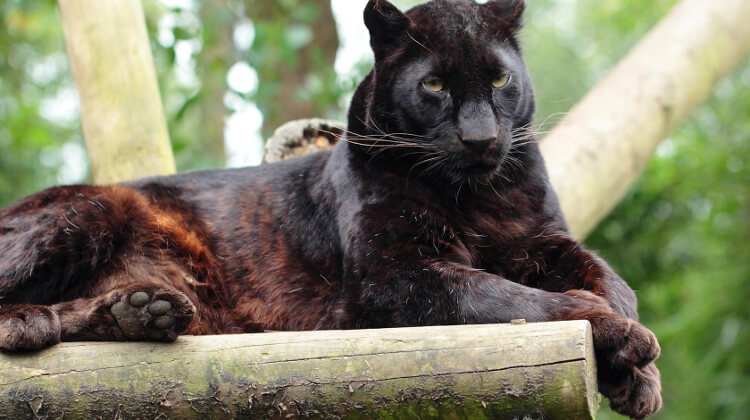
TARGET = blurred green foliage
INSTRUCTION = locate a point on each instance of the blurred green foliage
(34, 75)
(679, 236)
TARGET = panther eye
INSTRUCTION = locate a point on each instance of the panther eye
(501, 81)
(434, 84)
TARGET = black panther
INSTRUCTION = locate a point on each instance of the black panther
(435, 208)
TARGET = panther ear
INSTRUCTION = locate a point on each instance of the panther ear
(507, 14)
(388, 27)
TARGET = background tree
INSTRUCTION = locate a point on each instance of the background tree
(121, 110)
(217, 50)
(294, 53)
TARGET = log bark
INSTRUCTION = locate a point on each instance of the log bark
(121, 110)
(601, 147)
(543, 370)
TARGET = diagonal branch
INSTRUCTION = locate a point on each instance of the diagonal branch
(599, 150)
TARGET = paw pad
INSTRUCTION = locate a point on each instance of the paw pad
(159, 307)
(163, 322)
(139, 299)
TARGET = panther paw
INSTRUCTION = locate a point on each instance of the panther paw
(146, 312)
(635, 393)
(28, 327)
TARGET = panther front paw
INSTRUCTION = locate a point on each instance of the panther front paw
(625, 351)
(28, 327)
(634, 392)
(624, 342)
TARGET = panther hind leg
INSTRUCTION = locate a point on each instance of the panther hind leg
(134, 311)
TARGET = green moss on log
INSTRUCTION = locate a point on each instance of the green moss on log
(474, 371)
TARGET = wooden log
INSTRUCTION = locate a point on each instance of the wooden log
(121, 110)
(602, 146)
(543, 370)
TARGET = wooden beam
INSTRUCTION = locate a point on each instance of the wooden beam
(121, 110)
(545, 370)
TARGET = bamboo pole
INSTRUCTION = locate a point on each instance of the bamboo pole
(543, 370)
(601, 147)
(121, 110)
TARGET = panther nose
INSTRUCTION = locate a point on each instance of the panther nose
(477, 146)
(477, 126)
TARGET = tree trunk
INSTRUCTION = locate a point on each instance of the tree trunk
(601, 147)
(123, 119)
(317, 56)
(543, 370)
(216, 57)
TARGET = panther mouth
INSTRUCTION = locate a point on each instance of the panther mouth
(477, 170)
(489, 162)
(480, 168)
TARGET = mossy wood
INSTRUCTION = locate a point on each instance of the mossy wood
(121, 110)
(543, 370)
